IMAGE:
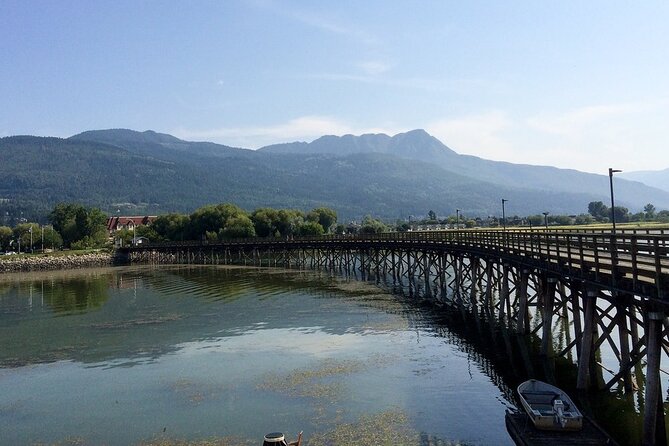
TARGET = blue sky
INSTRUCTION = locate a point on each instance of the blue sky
(574, 84)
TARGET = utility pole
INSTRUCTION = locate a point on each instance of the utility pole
(503, 213)
(613, 206)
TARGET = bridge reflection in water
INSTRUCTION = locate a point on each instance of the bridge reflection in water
(593, 290)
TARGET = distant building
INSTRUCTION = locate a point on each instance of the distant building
(432, 227)
(130, 223)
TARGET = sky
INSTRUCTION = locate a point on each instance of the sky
(573, 84)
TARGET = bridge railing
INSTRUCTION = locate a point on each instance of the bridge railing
(636, 257)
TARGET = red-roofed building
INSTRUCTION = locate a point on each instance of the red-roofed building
(117, 223)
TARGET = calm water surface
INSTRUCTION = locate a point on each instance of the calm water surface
(140, 355)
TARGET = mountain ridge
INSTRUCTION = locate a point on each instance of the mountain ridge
(373, 174)
(419, 145)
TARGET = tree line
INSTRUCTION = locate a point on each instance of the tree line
(74, 226)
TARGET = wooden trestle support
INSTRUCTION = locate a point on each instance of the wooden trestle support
(573, 318)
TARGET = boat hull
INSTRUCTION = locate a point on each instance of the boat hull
(549, 407)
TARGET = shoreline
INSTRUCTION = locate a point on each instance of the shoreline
(52, 263)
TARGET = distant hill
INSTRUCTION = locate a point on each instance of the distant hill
(419, 145)
(158, 145)
(654, 178)
(389, 177)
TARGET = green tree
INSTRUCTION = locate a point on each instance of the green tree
(372, 226)
(310, 228)
(621, 213)
(402, 226)
(431, 216)
(289, 220)
(6, 235)
(584, 219)
(536, 220)
(239, 226)
(77, 223)
(211, 218)
(265, 222)
(598, 210)
(64, 221)
(649, 210)
(326, 217)
(24, 231)
(172, 227)
(663, 216)
(562, 220)
(149, 233)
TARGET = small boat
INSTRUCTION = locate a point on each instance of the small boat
(549, 408)
(278, 439)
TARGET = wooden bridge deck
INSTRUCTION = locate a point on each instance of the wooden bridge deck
(631, 261)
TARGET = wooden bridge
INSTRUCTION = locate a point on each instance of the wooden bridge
(610, 289)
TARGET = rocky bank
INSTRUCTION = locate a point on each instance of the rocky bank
(13, 264)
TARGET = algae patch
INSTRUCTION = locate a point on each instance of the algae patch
(216, 441)
(313, 383)
(387, 428)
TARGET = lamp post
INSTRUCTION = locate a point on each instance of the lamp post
(504, 214)
(30, 229)
(457, 219)
(546, 219)
(613, 206)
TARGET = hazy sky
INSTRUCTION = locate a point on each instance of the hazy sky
(578, 84)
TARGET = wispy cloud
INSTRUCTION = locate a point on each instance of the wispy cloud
(305, 128)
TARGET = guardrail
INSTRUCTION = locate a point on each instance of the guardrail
(630, 259)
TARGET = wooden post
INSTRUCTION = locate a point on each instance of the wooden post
(549, 298)
(504, 291)
(474, 279)
(585, 358)
(426, 274)
(623, 339)
(576, 287)
(653, 384)
(489, 283)
(523, 325)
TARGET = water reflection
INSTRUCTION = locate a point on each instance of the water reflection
(185, 353)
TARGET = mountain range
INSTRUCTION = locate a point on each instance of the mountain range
(391, 177)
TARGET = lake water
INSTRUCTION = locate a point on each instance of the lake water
(221, 355)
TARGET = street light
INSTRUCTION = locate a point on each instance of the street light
(613, 206)
(457, 219)
(30, 229)
(503, 213)
(546, 219)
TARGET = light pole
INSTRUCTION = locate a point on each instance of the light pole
(30, 229)
(42, 239)
(546, 219)
(613, 206)
(504, 214)
(457, 219)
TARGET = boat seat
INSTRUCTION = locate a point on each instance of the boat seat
(540, 398)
